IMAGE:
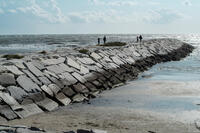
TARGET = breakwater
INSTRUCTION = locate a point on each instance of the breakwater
(43, 81)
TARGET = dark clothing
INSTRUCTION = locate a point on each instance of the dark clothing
(137, 39)
(99, 41)
(140, 37)
(104, 39)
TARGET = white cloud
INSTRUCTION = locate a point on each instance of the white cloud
(162, 16)
(187, 3)
(1, 11)
(114, 3)
(12, 11)
(55, 16)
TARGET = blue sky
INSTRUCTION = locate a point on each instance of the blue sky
(99, 16)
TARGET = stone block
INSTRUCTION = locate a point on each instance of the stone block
(47, 90)
(84, 70)
(68, 77)
(95, 56)
(59, 83)
(54, 88)
(80, 88)
(2, 88)
(38, 64)
(78, 98)
(98, 131)
(33, 69)
(30, 75)
(63, 99)
(10, 101)
(51, 74)
(47, 104)
(54, 61)
(90, 87)
(65, 67)
(17, 93)
(14, 70)
(7, 79)
(73, 63)
(87, 61)
(7, 112)
(79, 77)
(55, 69)
(68, 91)
(45, 80)
(27, 84)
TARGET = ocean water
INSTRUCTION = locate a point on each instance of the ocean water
(11, 44)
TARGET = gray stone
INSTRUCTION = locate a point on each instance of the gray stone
(79, 77)
(2, 88)
(54, 61)
(17, 93)
(68, 91)
(55, 69)
(63, 99)
(68, 77)
(87, 61)
(90, 76)
(59, 83)
(45, 80)
(80, 88)
(54, 88)
(98, 131)
(91, 87)
(10, 101)
(47, 90)
(7, 79)
(2, 69)
(14, 70)
(97, 83)
(73, 63)
(7, 112)
(79, 98)
(33, 69)
(84, 70)
(38, 64)
(51, 74)
(27, 84)
(29, 74)
(65, 67)
(95, 56)
(47, 104)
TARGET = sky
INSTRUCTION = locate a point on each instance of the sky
(99, 16)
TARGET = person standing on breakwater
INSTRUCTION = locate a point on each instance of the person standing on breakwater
(137, 39)
(104, 39)
(99, 41)
(140, 37)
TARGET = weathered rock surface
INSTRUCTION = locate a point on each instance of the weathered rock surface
(43, 82)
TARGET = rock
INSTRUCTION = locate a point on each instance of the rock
(33, 69)
(2, 69)
(45, 80)
(79, 77)
(6, 111)
(38, 64)
(95, 56)
(54, 61)
(27, 84)
(59, 83)
(17, 93)
(68, 91)
(65, 67)
(7, 79)
(87, 61)
(68, 77)
(98, 131)
(54, 88)
(2, 88)
(10, 101)
(84, 70)
(91, 87)
(63, 99)
(56, 69)
(78, 98)
(14, 70)
(47, 90)
(29, 74)
(51, 74)
(72, 63)
(80, 88)
(83, 131)
(47, 104)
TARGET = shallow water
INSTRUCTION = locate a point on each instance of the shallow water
(171, 88)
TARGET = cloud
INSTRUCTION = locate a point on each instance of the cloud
(114, 3)
(55, 14)
(162, 16)
(187, 3)
(1, 11)
(12, 11)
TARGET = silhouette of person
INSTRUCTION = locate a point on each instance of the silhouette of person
(104, 39)
(137, 39)
(140, 37)
(99, 41)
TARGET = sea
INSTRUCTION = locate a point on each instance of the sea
(172, 87)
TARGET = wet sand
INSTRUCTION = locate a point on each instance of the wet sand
(138, 107)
